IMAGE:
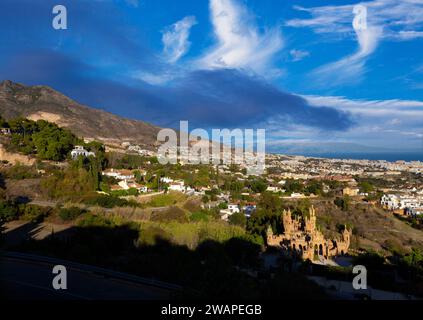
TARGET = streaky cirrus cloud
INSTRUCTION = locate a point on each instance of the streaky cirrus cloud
(384, 120)
(350, 69)
(386, 19)
(298, 55)
(395, 17)
(175, 39)
(239, 43)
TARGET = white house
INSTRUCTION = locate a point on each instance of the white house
(225, 214)
(80, 151)
(177, 186)
(394, 202)
(126, 185)
(274, 189)
(119, 174)
(166, 180)
(234, 208)
(297, 195)
(5, 131)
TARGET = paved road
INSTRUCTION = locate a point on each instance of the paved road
(21, 279)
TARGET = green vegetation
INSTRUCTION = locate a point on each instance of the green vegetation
(8, 211)
(107, 201)
(34, 213)
(80, 178)
(366, 187)
(11, 210)
(293, 186)
(128, 161)
(165, 200)
(202, 215)
(45, 139)
(68, 184)
(20, 172)
(203, 257)
(343, 203)
(72, 213)
(268, 213)
(170, 214)
(124, 193)
(257, 185)
(238, 219)
(314, 187)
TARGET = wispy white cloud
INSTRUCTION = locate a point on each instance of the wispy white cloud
(409, 35)
(154, 78)
(240, 44)
(133, 3)
(386, 19)
(298, 55)
(366, 106)
(395, 17)
(383, 120)
(392, 124)
(175, 39)
(351, 68)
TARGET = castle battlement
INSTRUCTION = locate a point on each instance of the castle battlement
(301, 237)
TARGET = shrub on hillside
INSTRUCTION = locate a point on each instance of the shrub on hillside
(343, 203)
(199, 216)
(125, 193)
(8, 211)
(20, 172)
(238, 219)
(69, 214)
(107, 201)
(149, 235)
(70, 183)
(192, 205)
(170, 214)
(34, 213)
(165, 200)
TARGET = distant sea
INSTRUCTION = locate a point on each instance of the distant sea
(388, 156)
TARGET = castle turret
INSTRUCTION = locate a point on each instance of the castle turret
(310, 222)
(269, 231)
(288, 224)
(346, 236)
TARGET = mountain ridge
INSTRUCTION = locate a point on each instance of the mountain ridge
(43, 102)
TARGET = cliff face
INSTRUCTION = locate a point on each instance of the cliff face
(42, 102)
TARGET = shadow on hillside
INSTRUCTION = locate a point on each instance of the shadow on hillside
(19, 234)
(213, 270)
(2, 182)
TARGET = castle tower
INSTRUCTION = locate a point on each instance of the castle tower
(346, 236)
(288, 224)
(310, 222)
(269, 232)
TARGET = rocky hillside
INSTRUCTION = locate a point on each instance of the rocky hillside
(42, 102)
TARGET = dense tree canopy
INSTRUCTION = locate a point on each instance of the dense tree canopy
(45, 139)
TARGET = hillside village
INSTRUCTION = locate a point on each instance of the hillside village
(72, 182)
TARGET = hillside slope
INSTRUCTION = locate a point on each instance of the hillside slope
(42, 102)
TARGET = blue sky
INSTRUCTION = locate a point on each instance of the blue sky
(296, 68)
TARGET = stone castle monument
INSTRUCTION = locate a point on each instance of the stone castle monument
(301, 237)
